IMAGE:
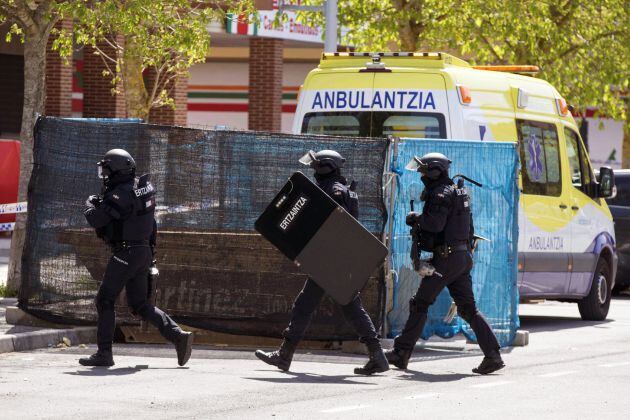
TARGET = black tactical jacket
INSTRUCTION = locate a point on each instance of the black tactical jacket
(126, 212)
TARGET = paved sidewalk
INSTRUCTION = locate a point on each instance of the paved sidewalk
(23, 338)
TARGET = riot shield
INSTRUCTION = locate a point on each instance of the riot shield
(324, 240)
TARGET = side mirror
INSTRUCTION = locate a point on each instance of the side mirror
(606, 187)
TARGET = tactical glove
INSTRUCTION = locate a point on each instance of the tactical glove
(93, 201)
(412, 218)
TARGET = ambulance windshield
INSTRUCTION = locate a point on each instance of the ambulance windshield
(375, 124)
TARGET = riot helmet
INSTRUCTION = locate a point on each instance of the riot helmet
(431, 165)
(323, 162)
(116, 162)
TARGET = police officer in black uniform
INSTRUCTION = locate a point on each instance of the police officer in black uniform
(446, 229)
(327, 165)
(124, 218)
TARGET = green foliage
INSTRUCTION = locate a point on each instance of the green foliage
(24, 17)
(6, 291)
(582, 46)
(166, 37)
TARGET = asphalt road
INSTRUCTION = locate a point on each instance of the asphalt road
(571, 369)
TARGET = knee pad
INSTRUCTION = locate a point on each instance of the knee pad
(467, 312)
(417, 305)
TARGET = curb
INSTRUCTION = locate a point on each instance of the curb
(8, 301)
(45, 338)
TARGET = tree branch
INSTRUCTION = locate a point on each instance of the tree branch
(103, 54)
(42, 10)
(169, 83)
(115, 46)
(107, 66)
(8, 10)
(509, 44)
(571, 5)
(576, 47)
(21, 12)
(156, 82)
(487, 42)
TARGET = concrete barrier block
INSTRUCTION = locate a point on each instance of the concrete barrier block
(16, 316)
(48, 338)
(521, 339)
(387, 343)
(35, 340)
(6, 343)
(354, 347)
(81, 335)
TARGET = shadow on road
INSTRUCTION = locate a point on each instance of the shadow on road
(104, 371)
(411, 375)
(311, 378)
(537, 323)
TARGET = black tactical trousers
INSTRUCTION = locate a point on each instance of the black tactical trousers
(455, 270)
(129, 268)
(307, 301)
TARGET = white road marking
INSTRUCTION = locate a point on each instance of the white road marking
(610, 365)
(556, 374)
(491, 384)
(422, 396)
(347, 408)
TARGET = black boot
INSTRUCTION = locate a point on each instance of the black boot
(397, 357)
(280, 358)
(100, 358)
(377, 362)
(489, 364)
(183, 346)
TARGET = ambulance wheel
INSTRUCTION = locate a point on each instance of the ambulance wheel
(594, 307)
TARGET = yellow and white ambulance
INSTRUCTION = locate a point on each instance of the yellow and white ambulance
(567, 239)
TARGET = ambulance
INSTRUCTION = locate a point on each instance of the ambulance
(566, 234)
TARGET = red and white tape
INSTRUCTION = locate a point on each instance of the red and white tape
(11, 208)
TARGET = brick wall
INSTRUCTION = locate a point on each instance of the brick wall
(98, 101)
(58, 79)
(12, 93)
(167, 115)
(265, 84)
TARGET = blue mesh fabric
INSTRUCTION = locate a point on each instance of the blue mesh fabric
(494, 207)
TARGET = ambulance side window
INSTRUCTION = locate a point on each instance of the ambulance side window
(574, 158)
(540, 158)
(579, 159)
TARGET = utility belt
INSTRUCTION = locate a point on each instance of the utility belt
(123, 245)
(443, 251)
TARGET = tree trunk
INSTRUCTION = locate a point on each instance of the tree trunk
(409, 30)
(136, 97)
(409, 36)
(34, 97)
